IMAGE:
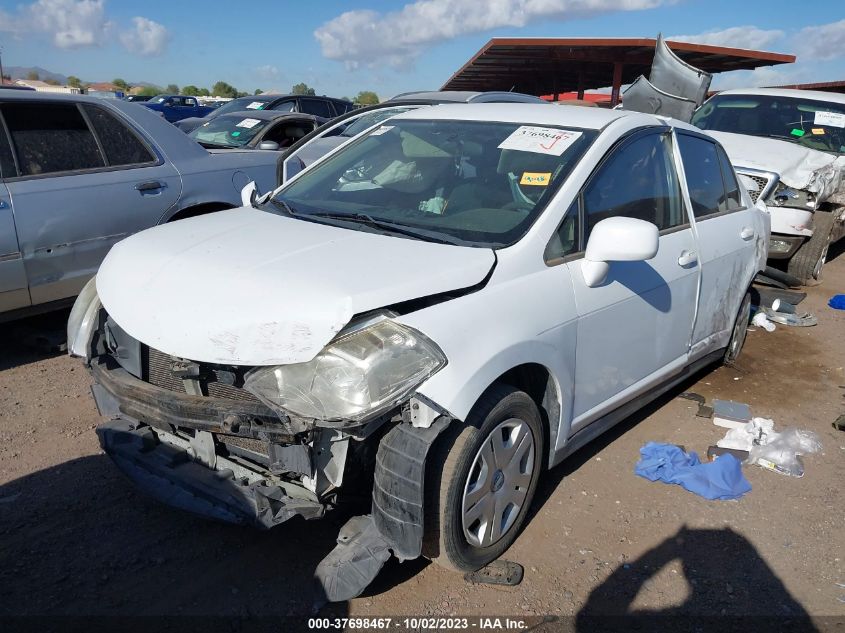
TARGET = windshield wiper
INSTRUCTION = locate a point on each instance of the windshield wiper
(402, 229)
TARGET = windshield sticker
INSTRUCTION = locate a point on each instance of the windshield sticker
(255, 105)
(797, 132)
(541, 140)
(381, 130)
(236, 133)
(830, 119)
(249, 123)
(817, 130)
(536, 178)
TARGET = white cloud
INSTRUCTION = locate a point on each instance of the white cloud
(735, 37)
(397, 37)
(70, 23)
(821, 42)
(267, 72)
(145, 38)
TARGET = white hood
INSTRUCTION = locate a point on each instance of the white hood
(798, 167)
(248, 287)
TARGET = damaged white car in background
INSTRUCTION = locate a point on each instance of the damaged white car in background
(789, 148)
(439, 310)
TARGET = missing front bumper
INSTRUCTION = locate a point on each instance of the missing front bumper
(227, 493)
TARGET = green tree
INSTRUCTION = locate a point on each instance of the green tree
(172, 89)
(32, 75)
(258, 91)
(120, 84)
(74, 82)
(366, 97)
(222, 89)
(150, 91)
(191, 91)
(203, 92)
(302, 89)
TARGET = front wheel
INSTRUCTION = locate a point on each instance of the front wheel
(481, 478)
(809, 260)
(740, 330)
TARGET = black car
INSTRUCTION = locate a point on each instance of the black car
(325, 107)
(255, 129)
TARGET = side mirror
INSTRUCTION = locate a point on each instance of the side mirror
(271, 145)
(617, 240)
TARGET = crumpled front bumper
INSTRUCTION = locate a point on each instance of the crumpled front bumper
(168, 474)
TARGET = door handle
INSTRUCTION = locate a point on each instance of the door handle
(746, 233)
(687, 258)
(150, 185)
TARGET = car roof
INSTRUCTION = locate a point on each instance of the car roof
(813, 95)
(466, 96)
(535, 114)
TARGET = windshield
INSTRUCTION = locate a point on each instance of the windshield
(475, 183)
(808, 122)
(237, 105)
(159, 99)
(228, 130)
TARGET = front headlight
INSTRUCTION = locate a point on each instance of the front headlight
(83, 321)
(358, 375)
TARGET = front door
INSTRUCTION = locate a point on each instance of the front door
(76, 193)
(634, 329)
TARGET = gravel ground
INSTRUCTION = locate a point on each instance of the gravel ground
(77, 539)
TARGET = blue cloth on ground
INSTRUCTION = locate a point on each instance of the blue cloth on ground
(719, 479)
(837, 302)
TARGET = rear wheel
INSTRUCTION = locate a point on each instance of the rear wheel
(481, 478)
(808, 261)
(740, 330)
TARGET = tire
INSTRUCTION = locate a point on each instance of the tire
(463, 456)
(808, 261)
(740, 329)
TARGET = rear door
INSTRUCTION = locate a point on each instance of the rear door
(13, 287)
(85, 179)
(634, 329)
(727, 239)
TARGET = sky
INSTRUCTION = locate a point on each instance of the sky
(343, 47)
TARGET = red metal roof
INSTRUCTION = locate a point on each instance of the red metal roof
(825, 86)
(553, 65)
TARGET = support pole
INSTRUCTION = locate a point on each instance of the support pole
(617, 84)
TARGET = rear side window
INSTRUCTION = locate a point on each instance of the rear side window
(637, 181)
(51, 138)
(317, 107)
(704, 175)
(734, 199)
(285, 106)
(121, 145)
(7, 162)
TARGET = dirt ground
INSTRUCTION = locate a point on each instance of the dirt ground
(76, 538)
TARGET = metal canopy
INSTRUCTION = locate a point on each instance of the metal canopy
(554, 65)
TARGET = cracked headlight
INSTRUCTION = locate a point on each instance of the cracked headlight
(83, 321)
(358, 375)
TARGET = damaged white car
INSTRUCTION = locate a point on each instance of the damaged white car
(439, 310)
(789, 148)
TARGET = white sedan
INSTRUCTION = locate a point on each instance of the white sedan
(456, 300)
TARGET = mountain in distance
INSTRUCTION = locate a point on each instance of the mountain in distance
(20, 72)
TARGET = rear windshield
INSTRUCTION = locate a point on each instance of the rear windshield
(476, 183)
(807, 122)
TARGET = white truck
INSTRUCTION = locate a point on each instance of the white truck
(788, 146)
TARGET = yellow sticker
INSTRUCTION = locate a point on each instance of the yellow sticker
(535, 178)
(818, 130)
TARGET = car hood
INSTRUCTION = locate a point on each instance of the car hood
(248, 287)
(798, 167)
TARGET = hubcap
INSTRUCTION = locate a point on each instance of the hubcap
(498, 483)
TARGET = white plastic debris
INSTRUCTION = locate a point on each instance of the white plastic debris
(761, 320)
(779, 452)
(742, 438)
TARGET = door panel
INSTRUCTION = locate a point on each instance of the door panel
(13, 288)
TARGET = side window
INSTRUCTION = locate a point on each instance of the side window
(51, 138)
(191, 103)
(637, 181)
(285, 106)
(121, 145)
(317, 107)
(7, 161)
(565, 240)
(729, 176)
(704, 175)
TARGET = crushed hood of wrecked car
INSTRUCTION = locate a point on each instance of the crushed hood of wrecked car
(798, 167)
(247, 287)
